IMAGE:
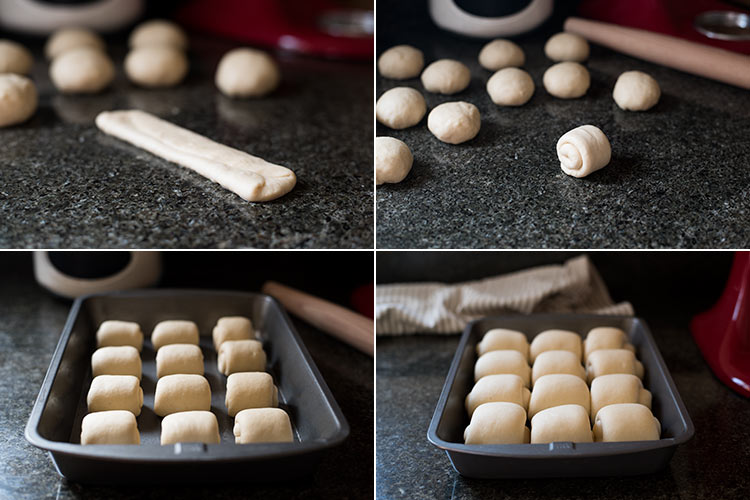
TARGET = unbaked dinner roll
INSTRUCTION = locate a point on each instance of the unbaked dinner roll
(505, 387)
(556, 390)
(446, 76)
(561, 423)
(617, 388)
(190, 427)
(555, 340)
(115, 392)
(499, 339)
(551, 362)
(174, 359)
(605, 337)
(241, 356)
(66, 39)
(497, 423)
(500, 53)
(116, 360)
(176, 393)
(250, 390)
(606, 361)
(401, 62)
(174, 331)
(626, 422)
(505, 361)
(232, 328)
(262, 425)
(583, 150)
(114, 332)
(110, 427)
(158, 32)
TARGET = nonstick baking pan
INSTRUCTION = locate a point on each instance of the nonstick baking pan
(55, 422)
(563, 459)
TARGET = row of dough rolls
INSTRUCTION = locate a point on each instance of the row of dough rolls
(565, 398)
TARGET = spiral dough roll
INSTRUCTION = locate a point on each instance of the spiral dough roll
(583, 150)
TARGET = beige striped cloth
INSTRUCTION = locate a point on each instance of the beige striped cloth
(573, 287)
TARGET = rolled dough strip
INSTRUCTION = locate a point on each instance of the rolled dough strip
(115, 392)
(190, 427)
(175, 331)
(617, 388)
(626, 422)
(252, 178)
(232, 328)
(110, 427)
(605, 337)
(497, 423)
(116, 360)
(607, 361)
(555, 340)
(262, 425)
(241, 356)
(551, 362)
(501, 339)
(583, 150)
(561, 423)
(114, 332)
(559, 389)
(250, 390)
(174, 359)
(504, 387)
(504, 361)
(175, 393)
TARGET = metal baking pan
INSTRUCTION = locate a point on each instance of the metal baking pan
(562, 459)
(55, 422)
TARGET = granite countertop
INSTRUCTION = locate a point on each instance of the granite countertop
(65, 184)
(679, 175)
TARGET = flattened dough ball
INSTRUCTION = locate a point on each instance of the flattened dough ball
(505, 361)
(497, 423)
(567, 47)
(15, 58)
(393, 160)
(401, 62)
(262, 425)
(245, 72)
(174, 331)
(636, 91)
(566, 80)
(241, 356)
(499, 339)
(66, 39)
(116, 360)
(446, 76)
(158, 32)
(195, 426)
(115, 332)
(555, 340)
(583, 150)
(552, 362)
(559, 389)
(400, 108)
(605, 337)
(626, 422)
(82, 70)
(500, 53)
(617, 388)
(561, 423)
(18, 99)
(110, 427)
(232, 328)
(498, 388)
(115, 392)
(250, 390)
(174, 359)
(454, 122)
(176, 393)
(607, 361)
(156, 66)
(510, 87)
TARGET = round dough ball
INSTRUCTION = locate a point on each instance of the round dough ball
(15, 58)
(18, 99)
(160, 33)
(400, 107)
(636, 91)
(82, 71)
(156, 66)
(454, 122)
(567, 47)
(247, 73)
(401, 62)
(393, 160)
(66, 39)
(567, 80)
(510, 87)
(499, 54)
(446, 76)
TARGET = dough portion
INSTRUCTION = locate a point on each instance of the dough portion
(401, 62)
(499, 362)
(555, 340)
(626, 422)
(607, 361)
(246, 72)
(115, 332)
(110, 427)
(232, 328)
(156, 66)
(252, 178)
(567, 47)
(500, 53)
(18, 99)
(617, 388)
(605, 337)
(250, 390)
(241, 356)
(15, 58)
(553, 362)
(66, 39)
(559, 389)
(454, 122)
(583, 150)
(636, 91)
(498, 388)
(116, 360)
(115, 392)
(561, 424)
(510, 87)
(176, 393)
(262, 425)
(82, 70)
(190, 427)
(174, 359)
(158, 32)
(174, 331)
(393, 160)
(499, 339)
(567, 80)
(400, 108)
(497, 423)
(446, 76)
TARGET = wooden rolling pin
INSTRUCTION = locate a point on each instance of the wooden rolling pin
(344, 324)
(710, 62)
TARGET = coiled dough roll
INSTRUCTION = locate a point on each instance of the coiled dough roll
(116, 360)
(497, 423)
(626, 422)
(506, 388)
(583, 150)
(556, 390)
(174, 359)
(499, 339)
(551, 362)
(190, 427)
(176, 393)
(561, 423)
(114, 333)
(250, 390)
(555, 340)
(506, 361)
(110, 427)
(175, 331)
(605, 337)
(606, 361)
(232, 328)
(617, 388)
(241, 356)
(262, 425)
(115, 392)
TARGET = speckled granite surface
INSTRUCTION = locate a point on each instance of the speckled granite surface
(64, 184)
(679, 176)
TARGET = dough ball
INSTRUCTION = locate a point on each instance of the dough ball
(174, 359)
(626, 422)
(566, 80)
(605, 337)
(561, 424)
(499, 339)
(115, 332)
(250, 390)
(510, 87)
(500, 362)
(116, 360)
(110, 427)
(552, 362)
(555, 340)
(446, 76)
(115, 392)
(497, 423)
(232, 328)
(156, 66)
(454, 122)
(617, 388)
(82, 71)
(175, 331)
(160, 33)
(636, 91)
(400, 108)
(15, 58)
(262, 425)
(176, 393)
(18, 99)
(66, 39)
(393, 160)
(583, 150)
(247, 73)
(499, 54)
(241, 356)
(567, 47)
(607, 361)
(401, 62)
(190, 427)
(506, 387)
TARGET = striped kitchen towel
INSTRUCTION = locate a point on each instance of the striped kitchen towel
(573, 287)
